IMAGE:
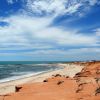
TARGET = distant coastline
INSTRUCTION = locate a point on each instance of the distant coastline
(41, 62)
(33, 62)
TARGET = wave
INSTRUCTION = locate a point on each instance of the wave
(21, 73)
(20, 77)
(15, 72)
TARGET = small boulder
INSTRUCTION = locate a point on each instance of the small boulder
(57, 75)
(59, 82)
(97, 91)
(45, 80)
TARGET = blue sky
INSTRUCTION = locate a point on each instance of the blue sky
(55, 30)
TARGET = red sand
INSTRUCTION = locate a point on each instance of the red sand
(82, 87)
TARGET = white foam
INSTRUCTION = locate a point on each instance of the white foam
(19, 77)
(21, 73)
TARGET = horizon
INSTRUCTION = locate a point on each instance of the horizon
(51, 60)
(49, 30)
(41, 62)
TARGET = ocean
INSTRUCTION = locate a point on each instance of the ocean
(12, 70)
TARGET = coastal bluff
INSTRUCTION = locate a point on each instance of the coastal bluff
(61, 85)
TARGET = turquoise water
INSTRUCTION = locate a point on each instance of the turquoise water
(30, 62)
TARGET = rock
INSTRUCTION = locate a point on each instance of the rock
(18, 88)
(98, 71)
(80, 88)
(57, 75)
(67, 76)
(45, 80)
(60, 82)
(97, 80)
(83, 74)
(84, 80)
(97, 91)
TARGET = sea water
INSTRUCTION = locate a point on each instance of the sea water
(20, 69)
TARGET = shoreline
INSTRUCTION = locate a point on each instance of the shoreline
(29, 75)
(17, 77)
(66, 69)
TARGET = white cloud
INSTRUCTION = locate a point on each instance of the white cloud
(24, 46)
(65, 37)
(97, 31)
(71, 54)
(84, 50)
(62, 53)
(49, 6)
(67, 52)
(28, 32)
(11, 1)
(93, 2)
(24, 29)
(58, 7)
(20, 27)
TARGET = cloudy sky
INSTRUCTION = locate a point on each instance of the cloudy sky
(58, 30)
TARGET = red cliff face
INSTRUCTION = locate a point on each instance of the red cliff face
(92, 69)
(89, 81)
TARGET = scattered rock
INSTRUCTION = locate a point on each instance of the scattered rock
(83, 74)
(59, 82)
(97, 91)
(67, 76)
(80, 88)
(57, 75)
(18, 88)
(45, 80)
(80, 98)
(98, 71)
(78, 74)
(63, 76)
(97, 79)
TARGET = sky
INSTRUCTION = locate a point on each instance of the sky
(49, 30)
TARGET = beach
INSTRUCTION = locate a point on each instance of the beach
(66, 69)
(74, 81)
